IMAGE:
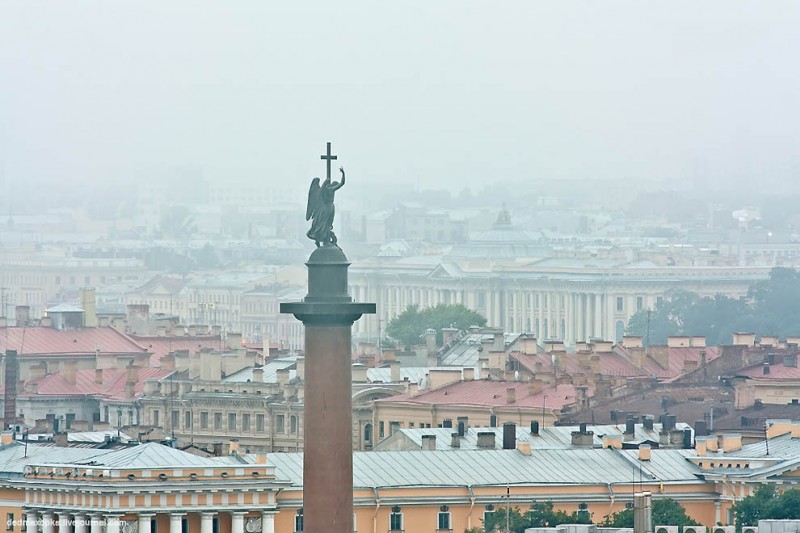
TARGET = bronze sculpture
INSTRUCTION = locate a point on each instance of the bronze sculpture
(320, 209)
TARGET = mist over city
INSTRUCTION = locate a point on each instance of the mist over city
(422, 266)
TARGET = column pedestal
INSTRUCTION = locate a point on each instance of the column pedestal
(96, 523)
(237, 522)
(48, 522)
(113, 523)
(146, 522)
(31, 517)
(81, 523)
(176, 522)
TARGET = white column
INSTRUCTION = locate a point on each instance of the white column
(113, 523)
(81, 523)
(63, 523)
(48, 522)
(31, 517)
(267, 522)
(206, 522)
(176, 522)
(96, 524)
(237, 522)
(145, 522)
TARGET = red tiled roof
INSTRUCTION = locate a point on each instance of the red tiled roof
(490, 393)
(776, 371)
(112, 388)
(161, 346)
(49, 341)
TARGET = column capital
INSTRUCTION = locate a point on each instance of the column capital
(239, 513)
(146, 515)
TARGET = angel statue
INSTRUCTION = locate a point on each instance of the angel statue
(320, 210)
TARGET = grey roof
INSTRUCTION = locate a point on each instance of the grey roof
(414, 374)
(468, 349)
(270, 371)
(554, 437)
(496, 467)
(783, 446)
(13, 457)
(149, 455)
(64, 308)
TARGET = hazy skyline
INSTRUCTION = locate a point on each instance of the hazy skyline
(444, 94)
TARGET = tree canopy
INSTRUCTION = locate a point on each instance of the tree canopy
(666, 512)
(770, 308)
(767, 503)
(408, 327)
(541, 514)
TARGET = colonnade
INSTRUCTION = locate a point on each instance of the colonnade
(62, 521)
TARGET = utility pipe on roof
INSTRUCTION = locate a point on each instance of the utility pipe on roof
(377, 508)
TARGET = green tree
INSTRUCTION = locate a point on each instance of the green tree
(409, 326)
(767, 503)
(541, 514)
(666, 512)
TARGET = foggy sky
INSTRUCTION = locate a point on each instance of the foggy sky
(452, 94)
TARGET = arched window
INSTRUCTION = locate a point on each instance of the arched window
(620, 330)
(368, 433)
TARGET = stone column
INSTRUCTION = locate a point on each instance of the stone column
(237, 522)
(114, 523)
(81, 523)
(63, 522)
(206, 522)
(268, 522)
(96, 523)
(328, 314)
(31, 516)
(48, 522)
(146, 522)
(176, 522)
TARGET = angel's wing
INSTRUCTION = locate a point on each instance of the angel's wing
(313, 198)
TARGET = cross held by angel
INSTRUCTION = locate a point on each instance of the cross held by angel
(320, 209)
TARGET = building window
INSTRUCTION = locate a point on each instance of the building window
(396, 519)
(246, 422)
(231, 421)
(280, 426)
(394, 427)
(203, 419)
(381, 431)
(293, 424)
(259, 422)
(620, 306)
(10, 522)
(298, 522)
(443, 518)
(218, 421)
(368, 433)
(639, 303)
(187, 419)
(176, 419)
(156, 418)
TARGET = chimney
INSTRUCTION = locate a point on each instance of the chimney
(765, 369)
(234, 341)
(511, 395)
(678, 341)
(300, 368)
(359, 373)
(258, 374)
(712, 444)
(448, 334)
(98, 376)
(632, 341)
(455, 440)
(23, 314)
(612, 440)
(744, 339)
(582, 437)
(282, 376)
(648, 422)
(61, 439)
(10, 381)
(46, 322)
(6, 438)
(645, 452)
(486, 439)
(529, 345)
(394, 367)
(89, 305)
(731, 442)
(233, 447)
(536, 386)
(469, 374)
(261, 458)
(630, 427)
(161, 331)
(70, 371)
(535, 427)
(524, 447)
(700, 428)
(429, 442)
(700, 446)
(217, 448)
(168, 362)
(790, 360)
(509, 436)
(430, 341)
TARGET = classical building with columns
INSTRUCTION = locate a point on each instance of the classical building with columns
(568, 299)
(149, 488)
